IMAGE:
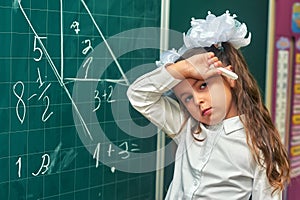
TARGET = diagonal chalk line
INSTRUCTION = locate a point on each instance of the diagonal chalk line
(107, 45)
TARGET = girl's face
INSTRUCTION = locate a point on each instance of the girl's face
(208, 101)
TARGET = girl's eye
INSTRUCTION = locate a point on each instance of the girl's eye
(188, 99)
(203, 86)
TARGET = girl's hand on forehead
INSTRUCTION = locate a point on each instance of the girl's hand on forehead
(203, 66)
(200, 66)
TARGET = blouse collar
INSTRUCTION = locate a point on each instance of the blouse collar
(229, 125)
(233, 124)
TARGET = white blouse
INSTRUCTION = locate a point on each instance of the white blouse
(221, 167)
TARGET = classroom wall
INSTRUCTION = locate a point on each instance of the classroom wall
(285, 94)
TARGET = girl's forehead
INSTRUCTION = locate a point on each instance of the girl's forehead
(190, 82)
(185, 85)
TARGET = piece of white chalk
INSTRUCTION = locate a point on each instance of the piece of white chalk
(228, 73)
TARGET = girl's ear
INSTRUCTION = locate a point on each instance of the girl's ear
(230, 81)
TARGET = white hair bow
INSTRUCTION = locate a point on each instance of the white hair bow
(207, 32)
(214, 30)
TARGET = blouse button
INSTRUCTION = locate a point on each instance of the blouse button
(195, 182)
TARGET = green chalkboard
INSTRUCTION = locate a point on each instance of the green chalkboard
(67, 130)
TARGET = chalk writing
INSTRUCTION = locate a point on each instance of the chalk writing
(19, 107)
(75, 26)
(98, 101)
(53, 163)
(86, 65)
(106, 96)
(124, 153)
(59, 76)
(45, 164)
(100, 96)
(88, 48)
(110, 150)
(113, 169)
(45, 98)
(97, 154)
(19, 163)
(35, 48)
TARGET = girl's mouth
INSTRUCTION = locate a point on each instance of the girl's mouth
(206, 111)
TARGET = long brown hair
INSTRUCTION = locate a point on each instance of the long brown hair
(262, 136)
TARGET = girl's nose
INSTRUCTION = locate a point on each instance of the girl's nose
(198, 98)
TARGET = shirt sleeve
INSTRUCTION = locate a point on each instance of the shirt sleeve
(146, 96)
(262, 190)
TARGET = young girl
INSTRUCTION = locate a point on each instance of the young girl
(228, 147)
